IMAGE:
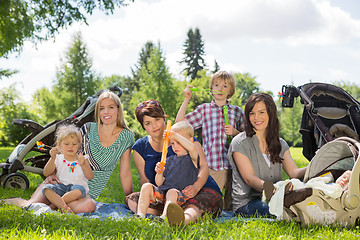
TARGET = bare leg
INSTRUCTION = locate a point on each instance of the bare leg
(146, 195)
(192, 214)
(133, 207)
(36, 197)
(58, 201)
(71, 196)
(171, 197)
(83, 205)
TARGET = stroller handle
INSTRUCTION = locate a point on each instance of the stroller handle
(116, 89)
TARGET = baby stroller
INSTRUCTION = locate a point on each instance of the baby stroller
(17, 160)
(313, 205)
(329, 113)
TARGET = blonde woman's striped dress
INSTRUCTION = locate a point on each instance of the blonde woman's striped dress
(103, 159)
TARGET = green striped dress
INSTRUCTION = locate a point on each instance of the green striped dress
(103, 159)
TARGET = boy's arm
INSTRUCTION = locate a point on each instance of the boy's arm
(182, 111)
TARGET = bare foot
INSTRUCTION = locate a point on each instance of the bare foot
(66, 209)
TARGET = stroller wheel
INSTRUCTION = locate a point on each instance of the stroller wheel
(2, 178)
(16, 181)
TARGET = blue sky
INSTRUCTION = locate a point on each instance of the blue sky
(278, 41)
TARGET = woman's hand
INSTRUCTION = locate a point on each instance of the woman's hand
(52, 179)
(190, 191)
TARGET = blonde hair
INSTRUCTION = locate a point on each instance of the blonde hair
(67, 130)
(120, 121)
(185, 127)
(227, 78)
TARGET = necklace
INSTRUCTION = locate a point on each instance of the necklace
(156, 143)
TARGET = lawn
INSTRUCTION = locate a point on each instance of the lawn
(16, 223)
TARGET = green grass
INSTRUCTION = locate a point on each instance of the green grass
(16, 223)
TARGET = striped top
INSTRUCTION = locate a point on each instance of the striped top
(102, 159)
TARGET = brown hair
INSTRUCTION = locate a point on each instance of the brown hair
(273, 128)
(150, 108)
(120, 121)
(227, 78)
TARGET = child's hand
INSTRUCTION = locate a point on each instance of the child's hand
(81, 159)
(158, 168)
(230, 130)
(54, 151)
(188, 92)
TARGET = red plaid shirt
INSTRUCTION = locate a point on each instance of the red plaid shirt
(210, 118)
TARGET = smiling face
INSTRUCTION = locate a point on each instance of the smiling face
(70, 145)
(108, 111)
(259, 117)
(154, 126)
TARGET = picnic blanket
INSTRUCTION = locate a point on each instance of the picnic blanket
(118, 211)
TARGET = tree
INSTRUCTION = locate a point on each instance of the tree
(245, 86)
(216, 67)
(194, 52)
(6, 72)
(156, 83)
(22, 20)
(290, 120)
(12, 108)
(75, 76)
(75, 81)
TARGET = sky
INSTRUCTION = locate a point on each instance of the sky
(277, 41)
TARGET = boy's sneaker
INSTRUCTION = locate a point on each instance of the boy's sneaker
(175, 215)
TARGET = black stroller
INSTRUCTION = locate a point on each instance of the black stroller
(9, 177)
(329, 113)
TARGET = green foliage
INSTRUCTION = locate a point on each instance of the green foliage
(11, 108)
(17, 223)
(156, 83)
(75, 81)
(245, 86)
(194, 52)
(352, 88)
(22, 20)
(290, 120)
(75, 76)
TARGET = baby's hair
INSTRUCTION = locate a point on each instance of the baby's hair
(67, 130)
(227, 78)
(183, 126)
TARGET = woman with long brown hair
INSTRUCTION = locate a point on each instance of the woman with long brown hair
(258, 155)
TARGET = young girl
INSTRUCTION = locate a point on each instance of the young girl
(72, 169)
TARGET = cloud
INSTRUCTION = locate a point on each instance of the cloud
(272, 40)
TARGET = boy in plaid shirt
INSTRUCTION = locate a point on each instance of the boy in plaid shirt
(210, 117)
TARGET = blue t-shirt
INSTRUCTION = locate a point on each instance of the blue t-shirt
(143, 147)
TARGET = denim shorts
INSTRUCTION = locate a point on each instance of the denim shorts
(61, 189)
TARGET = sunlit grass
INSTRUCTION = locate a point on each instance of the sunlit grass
(16, 223)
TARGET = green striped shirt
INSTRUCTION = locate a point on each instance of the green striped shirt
(103, 159)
